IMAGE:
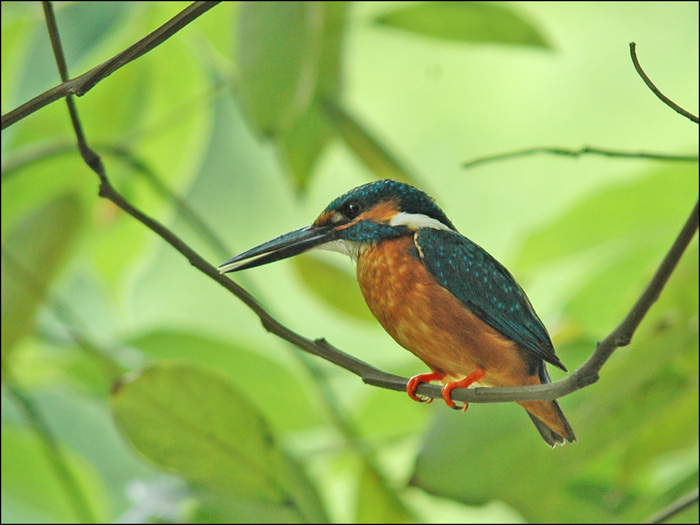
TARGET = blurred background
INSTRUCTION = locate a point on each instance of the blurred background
(136, 389)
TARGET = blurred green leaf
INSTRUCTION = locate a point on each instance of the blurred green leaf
(79, 40)
(32, 254)
(193, 421)
(366, 146)
(333, 286)
(40, 366)
(330, 69)
(218, 34)
(642, 212)
(17, 24)
(31, 490)
(178, 118)
(301, 145)
(303, 142)
(215, 507)
(466, 22)
(378, 503)
(267, 380)
(608, 292)
(388, 415)
(86, 425)
(58, 176)
(279, 49)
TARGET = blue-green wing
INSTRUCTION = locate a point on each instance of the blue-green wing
(484, 286)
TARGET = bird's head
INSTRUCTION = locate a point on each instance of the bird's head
(364, 216)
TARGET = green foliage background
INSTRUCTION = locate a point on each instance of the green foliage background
(134, 388)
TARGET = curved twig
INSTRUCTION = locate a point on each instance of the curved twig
(675, 107)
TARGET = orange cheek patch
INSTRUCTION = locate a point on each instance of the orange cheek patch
(382, 212)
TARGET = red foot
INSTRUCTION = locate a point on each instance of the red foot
(462, 383)
(417, 380)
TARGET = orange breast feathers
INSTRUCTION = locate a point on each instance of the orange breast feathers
(430, 322)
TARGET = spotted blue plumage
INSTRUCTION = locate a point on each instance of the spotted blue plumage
(370, 232)
(484, 286)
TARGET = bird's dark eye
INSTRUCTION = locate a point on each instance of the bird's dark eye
(351, 209)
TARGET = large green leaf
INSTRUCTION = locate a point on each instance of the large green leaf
(267, 381)
(466, 22)
(194, 422)
(32, 253)
(278, 55)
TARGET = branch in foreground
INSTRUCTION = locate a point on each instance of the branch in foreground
(586, 150)
(85, 82)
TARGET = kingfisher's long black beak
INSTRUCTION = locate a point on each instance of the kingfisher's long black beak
(287, 245)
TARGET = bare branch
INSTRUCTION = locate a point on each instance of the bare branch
(85, 82)
(586, 150)
(675, 107)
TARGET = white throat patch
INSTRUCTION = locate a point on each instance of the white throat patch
(416, 221)
(349, 248)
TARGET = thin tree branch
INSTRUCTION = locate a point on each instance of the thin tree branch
(85, 82)
(674, 508)
(586, 150)
(675, 107)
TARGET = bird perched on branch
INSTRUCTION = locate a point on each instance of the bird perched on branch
(437, 293)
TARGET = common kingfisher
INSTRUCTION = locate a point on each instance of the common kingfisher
(438, 294)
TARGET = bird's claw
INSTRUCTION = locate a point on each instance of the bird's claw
(416, 380)
(463, 383)
(462, 408)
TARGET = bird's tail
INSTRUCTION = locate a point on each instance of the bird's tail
(548, 417)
